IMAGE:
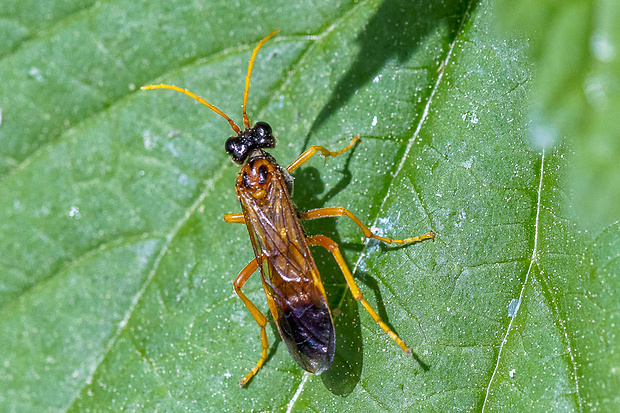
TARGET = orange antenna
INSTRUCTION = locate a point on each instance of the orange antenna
(246, 120)
(233, 125)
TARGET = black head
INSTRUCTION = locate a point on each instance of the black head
(259, 137)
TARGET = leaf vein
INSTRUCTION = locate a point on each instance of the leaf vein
(43, 29)
(533, 260)
(149, 278)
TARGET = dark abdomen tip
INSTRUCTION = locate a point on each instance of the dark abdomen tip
(308, 331)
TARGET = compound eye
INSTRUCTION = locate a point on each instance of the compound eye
(263, 135)
(262, 129)
(236, 148)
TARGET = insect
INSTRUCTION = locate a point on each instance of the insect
(295, 293)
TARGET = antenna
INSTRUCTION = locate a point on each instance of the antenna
(233, 125)
(246, 120)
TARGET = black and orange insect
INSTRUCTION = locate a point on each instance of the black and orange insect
(291, 280)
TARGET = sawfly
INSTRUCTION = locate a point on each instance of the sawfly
(291, 280)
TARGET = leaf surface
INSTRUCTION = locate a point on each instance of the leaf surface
(117, 266)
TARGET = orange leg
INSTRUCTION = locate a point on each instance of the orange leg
(314, 149)
(332, 247)
(340, 211)
(235, 218)
(243, 276)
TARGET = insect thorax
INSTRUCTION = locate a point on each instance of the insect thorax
(258, 172)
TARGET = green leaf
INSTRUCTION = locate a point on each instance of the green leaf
(575, 48)
(117, 268)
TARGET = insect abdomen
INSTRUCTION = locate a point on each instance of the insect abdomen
(309, 332)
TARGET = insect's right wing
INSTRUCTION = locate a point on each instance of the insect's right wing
(294, 289)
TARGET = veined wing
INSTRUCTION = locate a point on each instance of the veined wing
(292, 283)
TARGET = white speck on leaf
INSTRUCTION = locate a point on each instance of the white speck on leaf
(467, 163)
(36, 73)
(148, 142)
(173, 151)
(513, 307)
(183, 179)
(74, 212)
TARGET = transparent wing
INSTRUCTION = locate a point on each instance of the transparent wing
(294, 290)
